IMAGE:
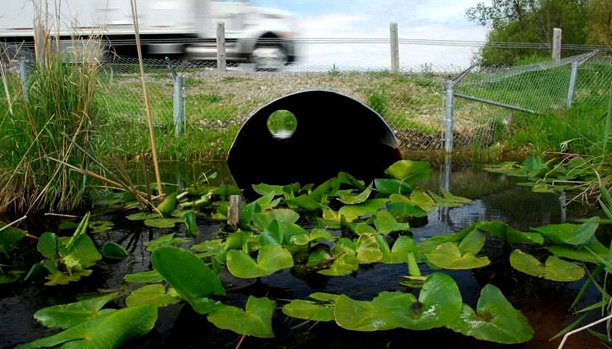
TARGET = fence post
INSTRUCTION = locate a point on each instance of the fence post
(448, 120)
(394, 47)
(221, 57)
(556, 50)
(178, 105)
(572, 84)
(23, 70)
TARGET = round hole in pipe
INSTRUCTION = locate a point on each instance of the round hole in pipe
(282, 124)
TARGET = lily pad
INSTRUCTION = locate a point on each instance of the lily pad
(344, 264)
(448, 256)
(368, 249)
(11, 276)
(98, 227)
(108, 331)
(509, 235)
(68, 315)
(141, 216)
(419, 198)
(370, 207)
(304, 202)
(152, 295)
(162, 223)
(255, 320)
(553, 269)
(145, 277)
(385, 223)
(263, 220)
(192, 279)
(314, 235)
(168, 205)
(496, 320)
(409, 171)
(350, 199)
(271, 258)
(399, 253)
(9, 237)
(391, 186)
(265, 189)
(58, 278)
(113, 251)
(439, 303)
(572, 234)
(448, 200)
(320, 310)
(165, 240)
(403, 210)
(581, 253)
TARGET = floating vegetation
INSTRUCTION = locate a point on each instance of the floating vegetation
(331, 230)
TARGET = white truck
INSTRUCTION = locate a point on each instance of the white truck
(177, 28)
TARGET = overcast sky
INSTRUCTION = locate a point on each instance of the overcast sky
(417, 19)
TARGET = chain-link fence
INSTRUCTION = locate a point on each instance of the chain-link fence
(414, 101)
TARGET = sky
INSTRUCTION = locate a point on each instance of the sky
(417, 19)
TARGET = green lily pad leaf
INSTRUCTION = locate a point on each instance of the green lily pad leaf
(385, 223)
(84, 251)
(255, 320)
(236, 241)
(304, 202)
(344, 264)
(265, 189)
(344, 245)
(448, 199)
(572, 234)
(404, 210)
(314, 235)
(368, 249)
(108, 331)
(9, 237)
(391, 186)
(581, 254)
(496, 320)
(48, 246)
(362, 228)
(324, 190)
(192, 279)
(347, 178)
(553, 269)
(151, 295)
(399, 253)
(141, 216)
(409, 171)
(448, 256)
(113, 251)
(419, 198)
(165, 240)
(67, 315)
(162, 223)
(473, 242)
(11, 276)
(58, 278)
(271, 258)
(209, 245)
(439, 303)
(98, 227)
(370, 207)
(323, 310)
(509, 235)
(318, 257)
(191, 223)
(350, 199)
(263, 220)
(168, 205)
(145, 277)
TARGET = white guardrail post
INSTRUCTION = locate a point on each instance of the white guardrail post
(448, 120)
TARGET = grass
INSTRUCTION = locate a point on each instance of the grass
(55, 118)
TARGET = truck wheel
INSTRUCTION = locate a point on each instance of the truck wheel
(269, 58)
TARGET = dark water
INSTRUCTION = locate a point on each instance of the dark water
(496, 197)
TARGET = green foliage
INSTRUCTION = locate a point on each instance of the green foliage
(271, 258)
(108, 331)
(321, 309)
(495, 320)
(113, 251)
(255, 320)
(192, 279)
(152, 295)
(554, 269)
(67, 315)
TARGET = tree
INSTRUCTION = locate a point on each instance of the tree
(599, 22)
(530, 21)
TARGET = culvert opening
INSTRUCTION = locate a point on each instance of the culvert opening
(282, 124)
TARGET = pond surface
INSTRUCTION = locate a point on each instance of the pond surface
(496, 197)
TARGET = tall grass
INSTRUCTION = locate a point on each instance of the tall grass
(36, 132)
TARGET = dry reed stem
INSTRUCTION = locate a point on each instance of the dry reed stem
(146, 99)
